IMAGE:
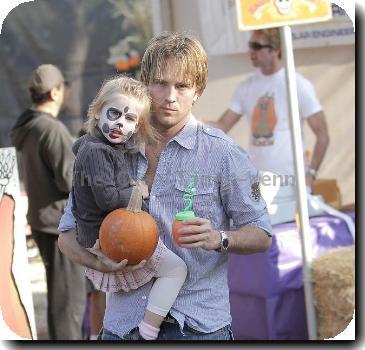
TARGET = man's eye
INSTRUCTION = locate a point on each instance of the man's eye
(182, 86)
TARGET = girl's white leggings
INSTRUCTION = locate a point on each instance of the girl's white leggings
(169, 280)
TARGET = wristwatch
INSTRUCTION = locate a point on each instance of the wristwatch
(312, 171)
(224, 242)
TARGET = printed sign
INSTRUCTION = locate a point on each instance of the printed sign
(220, 34)
(259, 14)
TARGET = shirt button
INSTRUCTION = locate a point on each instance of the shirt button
(144, 297)
(153, 197)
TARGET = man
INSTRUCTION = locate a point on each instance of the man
(47, 161)
(174, 67)
(264, 99)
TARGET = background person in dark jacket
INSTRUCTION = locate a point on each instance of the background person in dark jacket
(47, 162)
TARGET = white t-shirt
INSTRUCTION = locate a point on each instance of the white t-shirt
(264, 99)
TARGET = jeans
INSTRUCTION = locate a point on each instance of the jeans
(66, 289)
(109, 336)
(171, 331)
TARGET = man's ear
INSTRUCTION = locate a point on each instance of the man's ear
(278, 51)
(195, 98)
(53, 94)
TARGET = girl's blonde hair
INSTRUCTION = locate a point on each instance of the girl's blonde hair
(190, 58)
(126, 86)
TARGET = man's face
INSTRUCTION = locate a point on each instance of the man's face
(66, 91)
(58, 95)
(118, 119)
(172, 99)
(261, 57)
(62, 93)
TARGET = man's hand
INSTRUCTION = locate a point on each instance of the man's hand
(309, 179)
(106, 264)
(202, 234)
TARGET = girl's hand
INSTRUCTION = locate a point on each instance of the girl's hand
(143, 187)
(106, 264)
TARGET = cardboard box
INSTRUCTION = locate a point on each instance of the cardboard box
(329, 190)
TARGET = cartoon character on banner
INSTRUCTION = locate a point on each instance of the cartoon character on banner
(16, 301)
(7, 162)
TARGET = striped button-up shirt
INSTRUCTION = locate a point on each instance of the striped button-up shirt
(227, 194)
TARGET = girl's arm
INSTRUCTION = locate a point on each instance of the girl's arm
(99, 167)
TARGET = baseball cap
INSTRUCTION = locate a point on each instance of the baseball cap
(45, 78)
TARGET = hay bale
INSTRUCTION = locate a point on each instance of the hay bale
(333, 275)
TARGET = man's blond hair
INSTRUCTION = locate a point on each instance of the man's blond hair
(190, 58)
(273, 37)
(126, 86)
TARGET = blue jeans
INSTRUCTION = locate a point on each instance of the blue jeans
(171, 331)
(109, 336)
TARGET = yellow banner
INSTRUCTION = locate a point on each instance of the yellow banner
(259, 14)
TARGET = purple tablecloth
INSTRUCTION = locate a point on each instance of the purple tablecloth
(266, 290)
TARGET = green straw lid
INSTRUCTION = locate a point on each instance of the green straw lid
(185, 215)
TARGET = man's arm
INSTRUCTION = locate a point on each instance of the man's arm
(69, 246)
(57, 153)
(317, 123)
(247, 239)
(98, 167)
(226, 121)
(241, 199)
(91, 257)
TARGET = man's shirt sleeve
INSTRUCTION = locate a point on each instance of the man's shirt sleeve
(240, 190)
(67, 221)
(308, 101)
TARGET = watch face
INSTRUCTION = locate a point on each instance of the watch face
(225, 243)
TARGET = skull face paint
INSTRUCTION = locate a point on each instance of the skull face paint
(118, 119)
(284, 6)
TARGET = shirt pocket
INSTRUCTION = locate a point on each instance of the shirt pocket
(203, 200)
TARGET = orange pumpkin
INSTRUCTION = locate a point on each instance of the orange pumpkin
(129, 233)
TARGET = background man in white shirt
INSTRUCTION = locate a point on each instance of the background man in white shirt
(263, 99)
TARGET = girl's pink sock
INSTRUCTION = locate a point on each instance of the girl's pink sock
(147, 331)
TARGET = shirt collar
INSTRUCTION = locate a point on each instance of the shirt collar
(277, 75)
(187, 136)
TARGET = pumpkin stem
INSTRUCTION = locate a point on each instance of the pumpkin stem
(135, 202)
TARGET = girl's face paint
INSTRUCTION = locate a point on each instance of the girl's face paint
(118, 119)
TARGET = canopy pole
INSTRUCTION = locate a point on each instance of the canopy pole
(302, 204)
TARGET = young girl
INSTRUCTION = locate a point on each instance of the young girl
(118, 122)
